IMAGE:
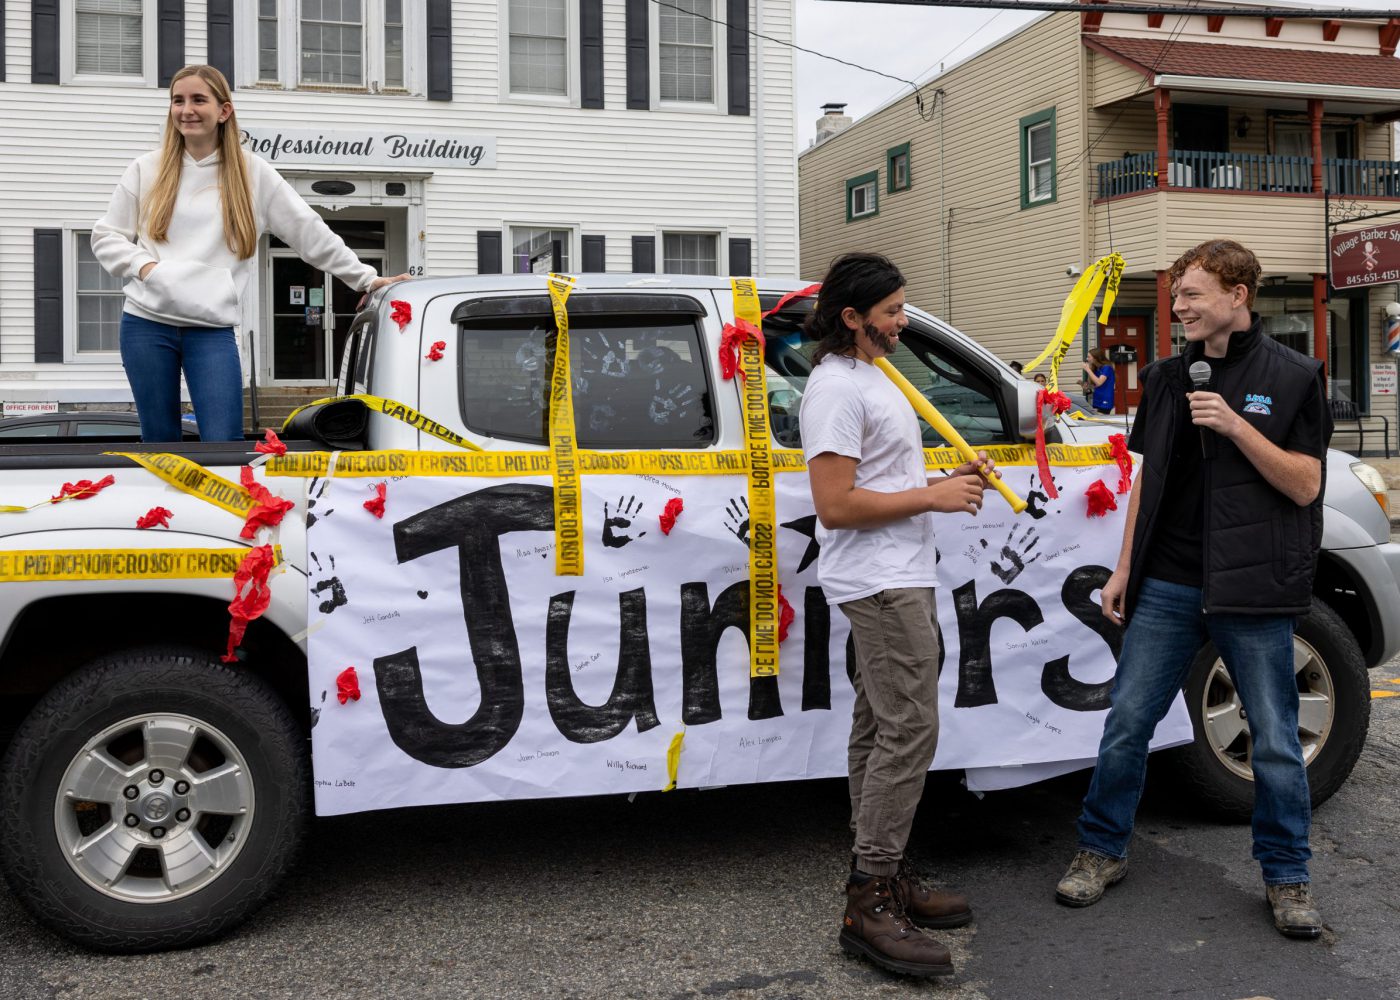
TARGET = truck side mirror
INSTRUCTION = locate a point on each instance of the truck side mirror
(1025, 408)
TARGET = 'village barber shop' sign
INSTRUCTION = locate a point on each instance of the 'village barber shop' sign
(386, 148)
(1365, 257)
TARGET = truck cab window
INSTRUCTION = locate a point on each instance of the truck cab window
(964, 396)
(636, 383)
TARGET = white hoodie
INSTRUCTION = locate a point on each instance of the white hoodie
(197, 280)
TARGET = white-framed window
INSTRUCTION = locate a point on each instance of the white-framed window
(538, 42)
(532, 249)
(110, 42)
(330, 44)
(687, 55)
(1040, 160)
(95, 304)
(690, 253)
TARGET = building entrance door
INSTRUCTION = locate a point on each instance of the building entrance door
(1126, 336)
(312, 310)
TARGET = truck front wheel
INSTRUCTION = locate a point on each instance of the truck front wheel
(1334, 713)
(153, 800)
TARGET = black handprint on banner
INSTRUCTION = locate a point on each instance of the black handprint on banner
(626, 514)
(1036, 497)
(1015, 553)
(337, 598)
(313, 497)
(736, 519)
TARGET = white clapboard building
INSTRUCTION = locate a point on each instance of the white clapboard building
(437, 136)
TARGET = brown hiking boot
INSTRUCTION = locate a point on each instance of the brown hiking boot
(877, 927)
(1295, 913)
(1088, 876)
(929, 907)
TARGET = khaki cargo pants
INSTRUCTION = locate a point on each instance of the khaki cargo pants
(894, 727)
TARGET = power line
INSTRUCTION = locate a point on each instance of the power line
(1131, 7)
(791, 45)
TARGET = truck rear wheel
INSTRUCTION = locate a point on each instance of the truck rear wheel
(154, 799)
(1334, 714)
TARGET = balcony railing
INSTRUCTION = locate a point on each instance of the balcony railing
(1249, 172)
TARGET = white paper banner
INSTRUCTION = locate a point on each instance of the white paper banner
(485, 676)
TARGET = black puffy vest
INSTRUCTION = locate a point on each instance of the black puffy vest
(1260, 548)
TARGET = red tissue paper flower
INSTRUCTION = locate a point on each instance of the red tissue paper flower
(1118, 448)
(82, 489)
(268, 510)
(271, 444)
(734, 335)
(347, 686)
(376, 505)
(674, 506)
(245, 607)
(1100, 499)
(401, 313)
(435, 352)
(156, 517)
(786, 615)
(1059, 403)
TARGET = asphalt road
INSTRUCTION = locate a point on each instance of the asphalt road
(736, 893)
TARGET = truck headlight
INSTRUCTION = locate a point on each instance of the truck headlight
(1374, 483)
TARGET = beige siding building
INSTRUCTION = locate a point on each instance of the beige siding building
(1083, 134)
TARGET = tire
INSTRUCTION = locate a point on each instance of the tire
(154, 800)
(1334, 716)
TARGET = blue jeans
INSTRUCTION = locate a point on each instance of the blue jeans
(1166, 630)
(153, 355)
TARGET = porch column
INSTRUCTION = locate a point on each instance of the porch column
(1320, 320)
(1164, 315)
(1315, 126)
(1162, 101)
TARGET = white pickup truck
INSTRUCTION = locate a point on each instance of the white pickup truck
(154, 796)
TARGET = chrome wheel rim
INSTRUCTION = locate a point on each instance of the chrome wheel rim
(1226, 726)
(153, 808)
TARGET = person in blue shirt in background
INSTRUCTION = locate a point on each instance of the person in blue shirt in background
(1099, 379)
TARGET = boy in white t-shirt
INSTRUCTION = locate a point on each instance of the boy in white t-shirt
(874, 505)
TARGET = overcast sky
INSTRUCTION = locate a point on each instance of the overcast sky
(903, 41)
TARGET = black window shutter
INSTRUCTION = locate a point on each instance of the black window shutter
(440, 51)
(48, 295)
(2, 43)
(43, 41)
(488, 251)
(170, 39)
(741, 257)
(219, 25)
(738, 57)
(643, 254)
(595, 254)
(590, 54)
(638, 56)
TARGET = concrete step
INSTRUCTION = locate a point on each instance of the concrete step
(275, 403)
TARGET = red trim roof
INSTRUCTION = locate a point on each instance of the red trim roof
(1150, 56)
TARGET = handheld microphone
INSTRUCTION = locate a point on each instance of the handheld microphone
(1201, 376)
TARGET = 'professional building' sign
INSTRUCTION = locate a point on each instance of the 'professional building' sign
(371, 149)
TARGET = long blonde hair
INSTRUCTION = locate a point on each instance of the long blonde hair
(235, 188)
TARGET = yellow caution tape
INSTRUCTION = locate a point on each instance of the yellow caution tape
(568, 517)
(398, 411)
(194, 479)
(40, 565)
(946, 430)
(763, 514)
(501, 464)
(1106, 270)
(673, 760)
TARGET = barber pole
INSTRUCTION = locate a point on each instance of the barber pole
(1392, 334)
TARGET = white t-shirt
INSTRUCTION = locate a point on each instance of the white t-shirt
(851, 408)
